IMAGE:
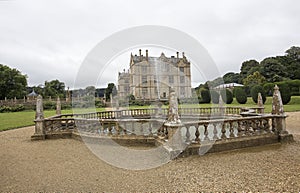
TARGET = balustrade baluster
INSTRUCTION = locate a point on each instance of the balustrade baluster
(240, 129)
(215, 131)
(197, 134)
(188, 134)
(231, 130)
(247, 127)
(273, 125)
(223, 136)
(206, 132)
(266, 125)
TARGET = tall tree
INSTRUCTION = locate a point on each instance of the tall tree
(231, 77)
(273, 70)
(293, 52)
(246, 69)
(292, 62)
(111, 89)
(254, 79)
(12, 83)
(54, 88)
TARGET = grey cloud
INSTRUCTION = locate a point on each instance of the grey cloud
(50, 39)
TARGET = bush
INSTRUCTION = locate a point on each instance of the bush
(4, 109)
(49, 105)
(294, 87)
(17, 108)
(214, 95)
(254, 93)
(205, 96)
(268, 88)
(227, 96)
(240, 95)
(285, 92)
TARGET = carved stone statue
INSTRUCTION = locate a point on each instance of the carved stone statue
(173, 116)
(277, 106)
(260, 103)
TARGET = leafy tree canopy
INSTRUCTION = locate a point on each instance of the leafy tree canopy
(54, 88)
(254, 79)
(273, 70)
(231, 77)
(111, 89)
(12, 83)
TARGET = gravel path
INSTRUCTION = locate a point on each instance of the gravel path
(66, 165)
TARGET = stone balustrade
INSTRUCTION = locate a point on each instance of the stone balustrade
(173, 127)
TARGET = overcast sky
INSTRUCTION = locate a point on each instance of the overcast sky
(50, 39)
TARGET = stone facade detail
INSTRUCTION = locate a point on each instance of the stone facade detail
(150, 78)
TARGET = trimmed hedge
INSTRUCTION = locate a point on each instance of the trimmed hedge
(285, 92)
(240, 95)
(205, 96)
(227, 96)
(254, 93)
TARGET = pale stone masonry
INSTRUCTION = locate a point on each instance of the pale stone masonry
(150, 78)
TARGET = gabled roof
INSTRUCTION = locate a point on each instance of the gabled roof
(32, 93)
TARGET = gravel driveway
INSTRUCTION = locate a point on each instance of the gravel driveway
(67, 165)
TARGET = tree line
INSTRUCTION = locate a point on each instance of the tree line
(261, 76)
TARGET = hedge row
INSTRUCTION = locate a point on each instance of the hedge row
(4, 109)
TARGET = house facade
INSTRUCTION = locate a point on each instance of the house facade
(150, 78)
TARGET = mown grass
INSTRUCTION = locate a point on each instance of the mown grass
(25, 118)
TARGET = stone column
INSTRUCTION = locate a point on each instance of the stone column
(39, 120)
(260, 103)
(58, 106)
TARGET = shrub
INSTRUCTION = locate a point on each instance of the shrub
(285, 92)
(16, 108)
(254, 93)
(4, 109)
(214, 95)
(240, 95)
(294, 87)
(205, 96)
(268, 88)
(227, 96)
(49, 105)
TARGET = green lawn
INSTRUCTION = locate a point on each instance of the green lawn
(25, 118)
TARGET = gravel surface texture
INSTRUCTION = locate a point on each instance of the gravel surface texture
(67, 165)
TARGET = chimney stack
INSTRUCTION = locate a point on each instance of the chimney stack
(177, 54)
(183, 54)
(146, 55)
(140, 52)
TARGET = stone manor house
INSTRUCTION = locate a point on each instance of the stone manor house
(150, 78)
